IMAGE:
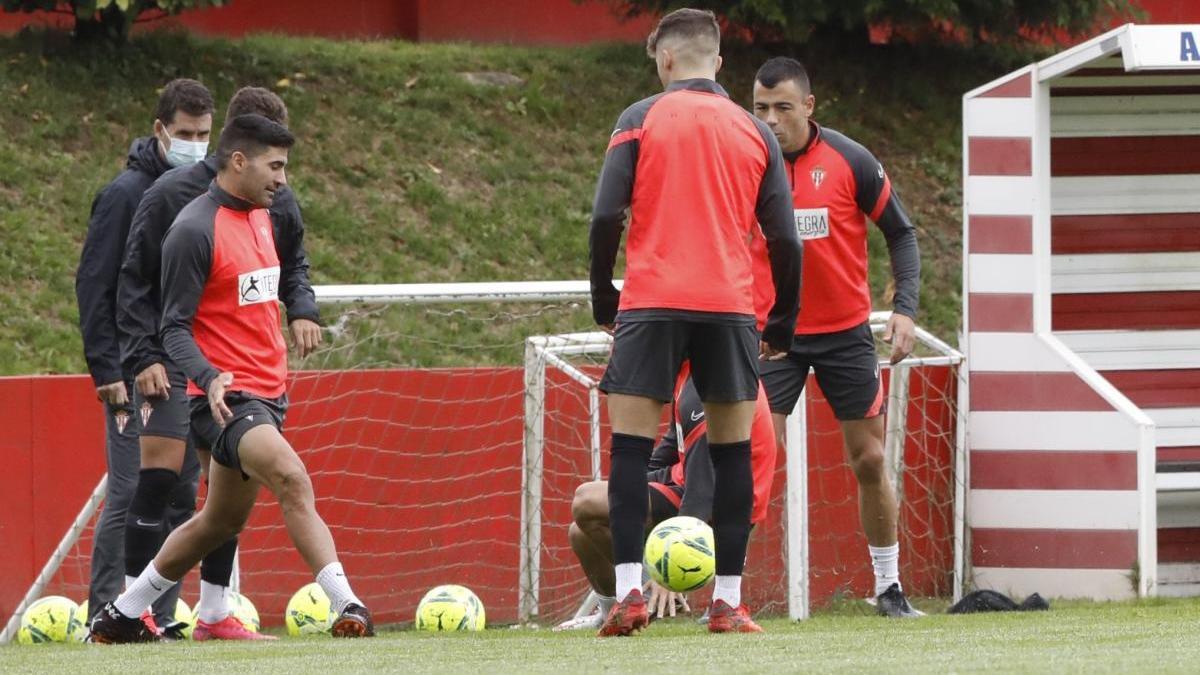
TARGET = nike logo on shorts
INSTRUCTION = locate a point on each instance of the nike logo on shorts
(697, 416)
(141, 524)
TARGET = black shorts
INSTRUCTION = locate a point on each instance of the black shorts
(847, 368)
(168, 416)
(248, 412)
(648, 352)
(665, 499)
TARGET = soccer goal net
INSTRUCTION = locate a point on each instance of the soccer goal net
(446, 428)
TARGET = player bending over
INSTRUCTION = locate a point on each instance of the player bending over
(681, 484)
(836, 186)
(220, 324)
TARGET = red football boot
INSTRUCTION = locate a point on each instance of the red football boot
(724, 619)
(229, 628)
(626, 617)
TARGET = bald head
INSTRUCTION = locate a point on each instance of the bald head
(686, 43)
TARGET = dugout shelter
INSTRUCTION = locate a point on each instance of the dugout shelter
(1081, 316)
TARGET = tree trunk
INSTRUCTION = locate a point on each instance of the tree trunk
(110, 25)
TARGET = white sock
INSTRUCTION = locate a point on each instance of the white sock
(886, 561)
(629, 577)
(214, 603)
(729, 589)
(333, 581)
(148, 587)
(129, 580)
(606, 604)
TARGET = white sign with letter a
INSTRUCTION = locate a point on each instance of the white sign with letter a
(1161, 47)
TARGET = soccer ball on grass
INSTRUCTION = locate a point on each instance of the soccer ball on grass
(679, 554)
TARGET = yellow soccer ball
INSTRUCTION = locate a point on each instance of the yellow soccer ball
(81, 630)
(50, 619)
(679, 554)
(450, 608)
(245, 612)
(309, 612)
(184, 613)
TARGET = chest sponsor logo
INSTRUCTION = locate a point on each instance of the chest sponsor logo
(818, 176)
(812, 223)
(258, 286)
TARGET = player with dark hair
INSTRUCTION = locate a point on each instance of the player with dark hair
(836, 186)
(220, 325)
(681, 484)
(167, 475)
(698, 177)
(182, 124)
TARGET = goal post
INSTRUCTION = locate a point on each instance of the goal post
(552, 354)
(446, 426)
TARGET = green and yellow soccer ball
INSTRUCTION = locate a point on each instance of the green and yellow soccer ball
(679, 554)
(450, 608)
(245, 611)
(81, 630)
(50, 619)
(184, 613)
(309, 612)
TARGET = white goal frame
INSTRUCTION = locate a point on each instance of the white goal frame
(548, 351)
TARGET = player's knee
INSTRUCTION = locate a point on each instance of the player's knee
(293, 487)
(183, 495)
(868, 465)
(590, 502)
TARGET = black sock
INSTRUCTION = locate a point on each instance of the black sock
(628, 496)
(217, 566)
(733, 500)
(144, 527)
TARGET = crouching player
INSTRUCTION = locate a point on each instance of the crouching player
(221, 326)
(681, 484)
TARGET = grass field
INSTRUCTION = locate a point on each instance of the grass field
(1148, 636)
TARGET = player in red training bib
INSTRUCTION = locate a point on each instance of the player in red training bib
(221, 326)
(836, 186)
(681, 484)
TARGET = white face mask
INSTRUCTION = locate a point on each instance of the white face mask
(182, 152)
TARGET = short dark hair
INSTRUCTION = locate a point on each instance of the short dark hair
(183, 94)
(251, 135)
(782, 69)
(257, 101)
(685, 23)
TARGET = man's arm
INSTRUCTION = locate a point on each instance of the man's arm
(96, 284)
(614, 193)
(137, 304)
(776, 217)
(882, 205)
(186, 261)
(666, 453)
(295, 289)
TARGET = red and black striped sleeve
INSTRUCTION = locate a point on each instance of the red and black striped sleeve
(610, 208)
(187, 255)
(880, 203)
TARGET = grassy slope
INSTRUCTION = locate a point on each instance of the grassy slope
(1154, 636)
(408, 174)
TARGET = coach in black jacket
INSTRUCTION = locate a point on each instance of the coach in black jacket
(183, 122)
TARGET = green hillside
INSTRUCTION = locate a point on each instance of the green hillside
(409, 172)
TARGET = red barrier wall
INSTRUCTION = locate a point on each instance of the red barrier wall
(418, 473)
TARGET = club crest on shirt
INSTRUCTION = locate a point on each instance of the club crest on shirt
(258, 286)
(121, 418)
(818, 176)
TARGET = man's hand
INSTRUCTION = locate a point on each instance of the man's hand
(216, 398)
(306, 335)
(768, 353)
(113, 394)
(901, 335)
(662, 601)
(609, 328)
(152, 382)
